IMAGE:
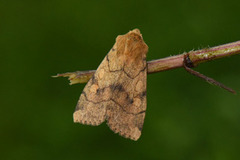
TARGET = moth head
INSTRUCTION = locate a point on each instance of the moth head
(132, 45)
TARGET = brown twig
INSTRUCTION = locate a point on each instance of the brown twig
(193, 59)
(209, 80)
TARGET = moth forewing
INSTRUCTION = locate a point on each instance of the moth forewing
(117, 90)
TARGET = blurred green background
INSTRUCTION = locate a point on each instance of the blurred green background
(186, 117)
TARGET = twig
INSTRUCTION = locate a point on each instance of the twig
(192, 59)
(209, 80)
(77, 77)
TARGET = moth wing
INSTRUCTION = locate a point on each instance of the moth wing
(126, 113)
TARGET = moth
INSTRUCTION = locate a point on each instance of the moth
(116, 93)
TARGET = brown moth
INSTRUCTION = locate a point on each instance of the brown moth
(117, 91)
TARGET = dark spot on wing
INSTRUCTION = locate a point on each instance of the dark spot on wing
(94, 79)
(98, 91)
(131, 101)
(143, 94)
(119, 88)
(112, 87)
(140, 126)
(79, 107)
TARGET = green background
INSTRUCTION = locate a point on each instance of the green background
(186, 117)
